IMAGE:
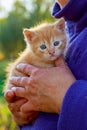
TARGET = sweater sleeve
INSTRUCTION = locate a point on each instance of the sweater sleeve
(73, 114)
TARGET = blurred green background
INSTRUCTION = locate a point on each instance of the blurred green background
(23, 14)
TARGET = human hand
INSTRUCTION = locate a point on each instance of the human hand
(14, 105)
(45, 88)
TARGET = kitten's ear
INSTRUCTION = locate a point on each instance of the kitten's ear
(60, 25)
(29, 35)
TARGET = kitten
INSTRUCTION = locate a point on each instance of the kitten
(45, 43)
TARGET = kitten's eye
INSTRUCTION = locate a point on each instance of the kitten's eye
(43, 47)
(56, 43)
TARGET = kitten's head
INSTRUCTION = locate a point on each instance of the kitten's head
(47, 41)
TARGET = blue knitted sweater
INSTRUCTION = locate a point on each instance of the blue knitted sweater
(73, 115)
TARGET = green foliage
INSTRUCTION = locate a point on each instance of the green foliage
(6, 120)
(11, 37)
(3, 65)
(41, 11)
(11, 32)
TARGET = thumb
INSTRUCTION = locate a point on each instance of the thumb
(60, 61)
(27, 107)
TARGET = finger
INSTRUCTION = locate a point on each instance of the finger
(15, 107)
(30, 106)
(27, 107)
(60, 61)
(26, 118)
(19, 81)
(9, 96)
(29, 116)
(19, 91)
(25, 68)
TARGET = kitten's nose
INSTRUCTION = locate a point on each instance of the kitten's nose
(51, 52)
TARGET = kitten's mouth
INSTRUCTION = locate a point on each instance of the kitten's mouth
(53, 58)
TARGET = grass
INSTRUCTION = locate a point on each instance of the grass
(6, 120)
(3, 65)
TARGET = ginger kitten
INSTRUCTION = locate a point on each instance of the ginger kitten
(45, 43)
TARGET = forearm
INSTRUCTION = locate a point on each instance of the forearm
(73, 115)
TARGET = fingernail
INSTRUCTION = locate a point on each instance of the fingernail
(19, 66)
(12, 78)
(10, 93)
(13, 88)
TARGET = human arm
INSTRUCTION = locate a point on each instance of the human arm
(73, 115)
(73, 106)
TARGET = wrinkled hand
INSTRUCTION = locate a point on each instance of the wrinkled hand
(45, 88)
(14, 105)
